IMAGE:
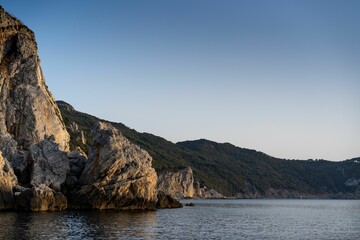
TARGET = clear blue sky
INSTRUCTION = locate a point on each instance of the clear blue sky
(282, 77)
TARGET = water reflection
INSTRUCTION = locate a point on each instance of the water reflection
(209, 219)
(77, 225)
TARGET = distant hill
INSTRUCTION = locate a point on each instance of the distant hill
(231, 170)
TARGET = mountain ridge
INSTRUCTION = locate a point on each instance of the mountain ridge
(236, 171)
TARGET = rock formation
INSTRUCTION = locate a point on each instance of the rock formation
(177, 184)
(40, 198)
(49, 165)
(77, 161)
(204, 192)
(32, 133)
(77, 133)
(37, 173)
(28, 112)
(8, 180)
(166, 201)
(118, 174)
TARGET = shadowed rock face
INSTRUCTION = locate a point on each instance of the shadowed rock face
(166, 201)
(49, 165)
(7, 181)
(118, 174)
(40, 198)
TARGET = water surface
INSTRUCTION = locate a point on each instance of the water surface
(209, 219)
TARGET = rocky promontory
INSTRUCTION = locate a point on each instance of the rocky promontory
(37, 171)
(118, 174)
(32, 133)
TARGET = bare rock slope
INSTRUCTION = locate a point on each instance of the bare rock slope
(28, 112)
(32, 133)
(118, 175)
(177, 184)
(36, 171)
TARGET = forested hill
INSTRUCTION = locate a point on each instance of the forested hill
(231, 170)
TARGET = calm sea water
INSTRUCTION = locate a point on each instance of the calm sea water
(209, 219)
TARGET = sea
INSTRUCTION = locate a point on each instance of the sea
(208, 219)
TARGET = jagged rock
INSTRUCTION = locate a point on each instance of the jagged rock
(118, 174)
(177, 184)
(50, 165)
(32, 133)
(28, 112)
(166, 201)
(77, 153)
(190, 204)
(77, 161)
(204, 192)
(40, 198)
(8, 146)
(77, 133)
(8, 180)
(17, 158)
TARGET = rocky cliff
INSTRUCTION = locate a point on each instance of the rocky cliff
(8, 180)
(37, 172)
(32, 133)
(177, 184)
(118, 175)
(28, 112)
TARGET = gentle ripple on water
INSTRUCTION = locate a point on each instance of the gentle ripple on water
(209, 219)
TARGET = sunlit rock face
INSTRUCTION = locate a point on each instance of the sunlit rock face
(33, 137)
(28, 112)
(118, 174)
(177, 184)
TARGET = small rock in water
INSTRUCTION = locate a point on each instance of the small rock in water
(166, 201)
(190, 204)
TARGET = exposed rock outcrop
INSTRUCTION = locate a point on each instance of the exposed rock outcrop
(77, 133)
(204, 192)
(32, 133)
(40, 198)
(177, 184)
(28, 112)
(166, 201)
(50, 165)
(118, 174)
(77, 161)
(8, 180)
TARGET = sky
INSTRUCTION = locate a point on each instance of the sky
(280, 76)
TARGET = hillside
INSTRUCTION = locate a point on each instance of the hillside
(234, 171)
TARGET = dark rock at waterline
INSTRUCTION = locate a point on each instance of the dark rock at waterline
(40, 198)
(190, 204)
(166, 201)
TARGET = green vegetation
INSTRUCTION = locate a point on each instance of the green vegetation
(227, 168)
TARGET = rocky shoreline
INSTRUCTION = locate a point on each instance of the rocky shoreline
(37, 171)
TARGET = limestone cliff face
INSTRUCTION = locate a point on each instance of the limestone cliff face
(32, 133)
(28, 112)
(177, 184)
(118, 174)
